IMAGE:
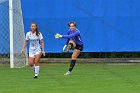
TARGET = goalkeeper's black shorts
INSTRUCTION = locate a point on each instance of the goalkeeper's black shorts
(79, 47)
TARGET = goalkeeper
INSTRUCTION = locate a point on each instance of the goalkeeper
(73, 42)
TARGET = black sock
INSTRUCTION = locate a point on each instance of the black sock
(72, 64)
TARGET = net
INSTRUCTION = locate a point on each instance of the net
(11, 33)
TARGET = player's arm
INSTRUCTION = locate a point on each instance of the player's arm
(71, 35)
(42, 45)
(67, 36)
(67, 41)
(65, 46)
(25, 43)
(24, 46)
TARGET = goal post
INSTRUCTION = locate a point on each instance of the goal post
(12, 34)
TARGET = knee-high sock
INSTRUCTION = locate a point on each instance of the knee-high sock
(72, 64)
(36, 70)
(33, 67)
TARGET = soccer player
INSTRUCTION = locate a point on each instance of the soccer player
(73, 41)
(35, 50)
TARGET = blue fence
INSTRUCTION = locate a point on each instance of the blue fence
(105, 25)
(4, 27)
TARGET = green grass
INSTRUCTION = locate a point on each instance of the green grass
(86, 78)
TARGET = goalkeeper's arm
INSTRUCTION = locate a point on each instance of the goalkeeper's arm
(57, 35)
(65, 46)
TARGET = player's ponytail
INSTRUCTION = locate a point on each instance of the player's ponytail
(37, 32)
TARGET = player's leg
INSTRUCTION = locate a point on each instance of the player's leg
(37, 58)
(74, 57)
(73, 61)
(77, 50)
(31, 61)
(71, 45)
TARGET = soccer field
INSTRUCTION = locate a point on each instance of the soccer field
(86, 78)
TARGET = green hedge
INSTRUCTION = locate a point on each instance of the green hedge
(96, 55)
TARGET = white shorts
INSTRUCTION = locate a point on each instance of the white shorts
(33, 54)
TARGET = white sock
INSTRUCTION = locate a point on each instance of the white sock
(36, 70)
(68, 72)
(33, 67)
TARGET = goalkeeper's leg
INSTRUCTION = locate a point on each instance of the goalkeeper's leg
(71, 45)
(73, 61)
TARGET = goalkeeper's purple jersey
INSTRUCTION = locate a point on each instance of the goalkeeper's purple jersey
(75, 36)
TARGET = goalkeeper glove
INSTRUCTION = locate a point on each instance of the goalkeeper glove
(57, 35)
(64, 48)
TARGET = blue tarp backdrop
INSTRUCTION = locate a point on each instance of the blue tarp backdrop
(105, 25)
(4, 28)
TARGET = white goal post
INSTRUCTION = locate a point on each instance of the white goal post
(12, 35)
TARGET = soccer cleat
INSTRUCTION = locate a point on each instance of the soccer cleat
(35, 77)
(68, 73)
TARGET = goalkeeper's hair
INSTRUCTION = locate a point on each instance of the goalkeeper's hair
(37, 31)
(72, 23)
